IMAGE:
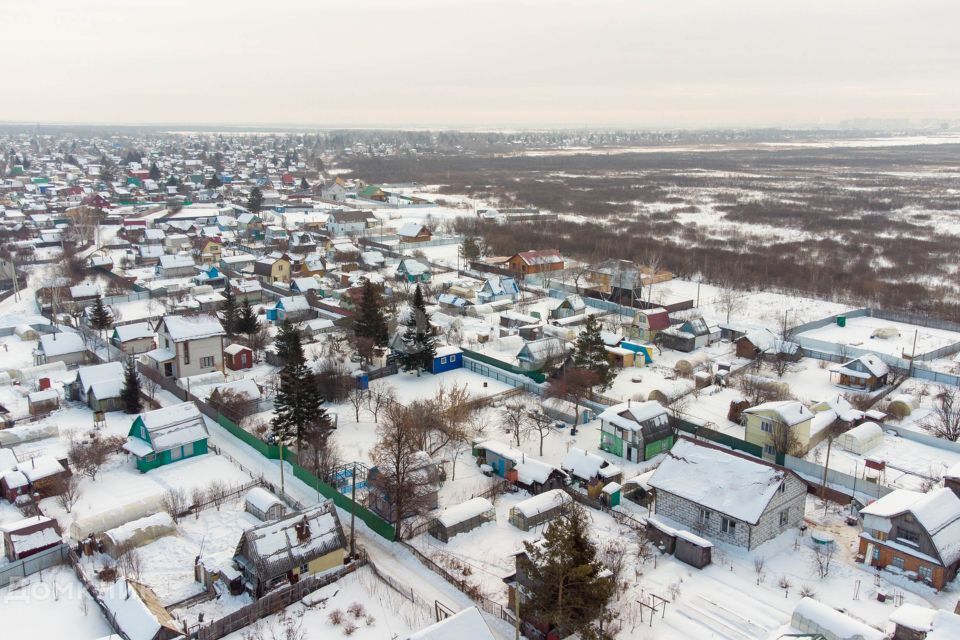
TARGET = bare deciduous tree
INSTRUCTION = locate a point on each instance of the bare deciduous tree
(540, 423)
(357, 399)
(944, 422)
(378, 398)
(515, 420)
(68, 492)
(175, 503)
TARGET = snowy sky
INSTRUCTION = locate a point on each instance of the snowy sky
(497, 63)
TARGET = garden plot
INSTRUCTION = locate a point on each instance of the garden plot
(898, 342)
(52, 604)
(410, 387)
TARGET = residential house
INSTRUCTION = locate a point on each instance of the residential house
(758, 343)
(410, 270)
(162, 436)
(188, 346)
(247, 291)
(635, 431)
(40, 476)
(446, 358)
(589, 469)
(915, 534)
(768, 424)
(292, 308)
(138, 613)
(30, 536)
(275, 267)
(537, 354)
(99, 386)
(727, 496)
(498, 288)
(304, 285)
(914, 622)
(291, 549)
(67, 348)
(176, 266)
(572, 305)
(349, 223)
(134, 338)
(414, 232)
(525, 471)
(533, 262)
(250, 225)
(688, 336)
(867, 373)
(149, 254)
(209, 249)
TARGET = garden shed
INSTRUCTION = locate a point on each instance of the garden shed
(462, 518)
(861, 438)
(540, 509)
(264, 505)
(692, 549)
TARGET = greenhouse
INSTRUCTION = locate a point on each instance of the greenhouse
(540, 509)
(462, 518)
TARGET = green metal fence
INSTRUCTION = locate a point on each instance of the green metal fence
(720, 438)
(272, 451)
(536, 376)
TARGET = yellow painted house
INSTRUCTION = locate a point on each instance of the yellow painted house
(273, 268)
(766, 420)
(210, 250)
(288, 550)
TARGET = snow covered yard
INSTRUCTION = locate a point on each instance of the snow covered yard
(383, 613)
(52, 604)
(859, 333)
(410, 387)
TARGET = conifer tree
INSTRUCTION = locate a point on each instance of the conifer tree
(247, 321)
(288, 344)
(130, 395)
(570, 588)
(154, 171)
(591, 354)
(100, 317)
(370, 321)
(229, 312)
(255, 201)
(418, 342)
(214, 182)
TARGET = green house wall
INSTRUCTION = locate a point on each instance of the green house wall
(166, 457)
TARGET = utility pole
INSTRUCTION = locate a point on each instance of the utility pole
(516, 611)
(353, 513)
(282, 491)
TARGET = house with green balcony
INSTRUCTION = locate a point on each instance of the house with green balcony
(163, 436)
(635, 431)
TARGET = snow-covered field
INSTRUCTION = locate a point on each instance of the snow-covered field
(859, 332)
(51, 604)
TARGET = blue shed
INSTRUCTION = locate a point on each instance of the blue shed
(643, 349)
(447, 358)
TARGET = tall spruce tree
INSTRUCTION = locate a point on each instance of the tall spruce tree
(591, 353)
(130, 395)
(288, 344)
(100, 318)
(255, 201)
(570, 590)
(418, 343)
(154, 172)
(229, 312)
(370, 321)
(247, 321)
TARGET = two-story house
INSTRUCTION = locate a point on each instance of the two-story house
(772, 425)
(188, 346)
(727, 496)
(636, 431)
(273, 268)
(868, 372)
(917, 534)
(531, 262)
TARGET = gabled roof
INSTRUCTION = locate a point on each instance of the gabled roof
(938, 512)
(133, 331)
(59, 344)
(466, 625)
(170, 427)
(720, 481)
(544, 256)
(182, 328)
(790, 412)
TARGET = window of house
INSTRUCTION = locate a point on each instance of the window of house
(766, 426)
(728, 526)
(443, 361)
(150, 457)
(143, 432)
(188, 450)
(166, 343)
(703, 517)
(897, 562)
(782, 488)
(176, 453)
(876, 553)
(784, 517)
(206, 361)
(303, 568)
(925, 572)
(186, 353)
(769, 450)
(908, 536)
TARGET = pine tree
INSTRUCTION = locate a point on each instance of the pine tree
(591, 354)
(154, 171)
(304, 185)
(418, 342)
(370, 321)
(100, 317)
(255, 202)
(470, 249)
(130, 395)
(214, 182)
(288, 344)
(570, 591)
(229, 313)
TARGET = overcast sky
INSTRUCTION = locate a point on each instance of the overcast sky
(483, 63)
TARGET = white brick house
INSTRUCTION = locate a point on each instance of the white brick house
(725, 496)
(188, 346)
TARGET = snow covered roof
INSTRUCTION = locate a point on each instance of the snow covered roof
(40, 467)
(411, 230)
(36, 540)
(86, 290)
(790, 412)
(293, 303)
(235, 348)
(447, 350)
(464, 511)
(938, 512)
(632, 415)
(543, 502)
(412, 267)
(867, 363)
(586, 465)
(105, 376)
(934, 624)
(133, 331)
(244, 387)
(181, 328)
(717, 480)
(275, 547)
(531, 470)
(810, 614)
(136, 610)
(60, 344)
(175, 262)
(261, 499)
(465, 625)
(172, 426)
(546, 256)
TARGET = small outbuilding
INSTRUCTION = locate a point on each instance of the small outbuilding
(136, 533)
(237, 356)
(862, 438)
(264, 505)
(823, 621)
(43, 402)
(462, 518)
(539, 509)
(446, 359)
(27, 537)
(692, 549)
